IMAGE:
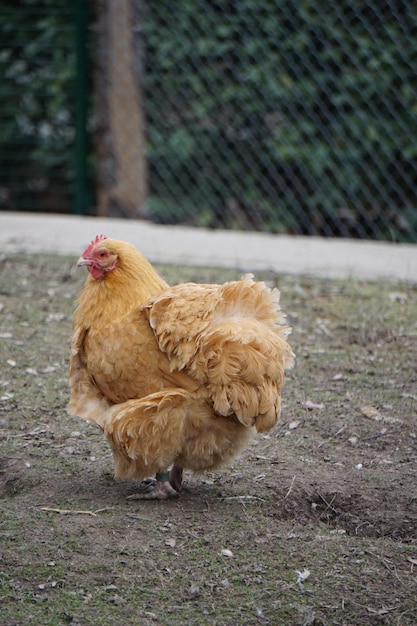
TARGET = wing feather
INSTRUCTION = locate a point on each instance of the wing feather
(230, 338)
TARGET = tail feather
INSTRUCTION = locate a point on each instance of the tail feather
(231, 338)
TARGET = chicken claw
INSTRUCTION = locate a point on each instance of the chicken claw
(158, 488)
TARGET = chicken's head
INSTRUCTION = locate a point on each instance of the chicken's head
(98, 257)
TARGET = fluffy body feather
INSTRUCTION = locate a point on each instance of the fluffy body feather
(181, 375)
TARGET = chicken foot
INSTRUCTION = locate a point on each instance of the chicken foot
(165, 485)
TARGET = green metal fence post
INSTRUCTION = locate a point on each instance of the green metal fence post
(81, 98)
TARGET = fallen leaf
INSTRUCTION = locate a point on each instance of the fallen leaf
(171, 542)
(293, 425)
(313, 405)
(371, 412)
(55, 317)
(7, 396)
(398, 296)
(302, 576)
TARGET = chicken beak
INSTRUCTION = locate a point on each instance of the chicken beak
(83, 261)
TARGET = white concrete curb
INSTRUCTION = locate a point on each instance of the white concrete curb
(246, 251)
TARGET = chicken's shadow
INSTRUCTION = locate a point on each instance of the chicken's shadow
(104, 491)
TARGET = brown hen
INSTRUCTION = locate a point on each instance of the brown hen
(177, 377)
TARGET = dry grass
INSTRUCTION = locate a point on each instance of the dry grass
(315, 524)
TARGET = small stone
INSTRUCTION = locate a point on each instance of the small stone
(226, 552)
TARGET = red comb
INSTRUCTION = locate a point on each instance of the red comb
(93, 243)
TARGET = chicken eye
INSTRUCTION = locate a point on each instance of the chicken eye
(102, 254)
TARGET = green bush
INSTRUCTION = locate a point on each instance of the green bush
(37, 131)
(285, 116)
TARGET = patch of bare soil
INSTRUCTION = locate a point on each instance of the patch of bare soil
(316, 523)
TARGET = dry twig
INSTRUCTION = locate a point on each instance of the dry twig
(67, 511)
(290, 489)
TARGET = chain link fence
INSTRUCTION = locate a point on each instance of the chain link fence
(42, 123)
(295, 117)
(288, 117)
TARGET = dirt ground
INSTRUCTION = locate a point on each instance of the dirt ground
(316, 523)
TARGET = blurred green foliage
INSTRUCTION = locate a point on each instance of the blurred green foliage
(295, 117)
(285, 116)
(37, 130)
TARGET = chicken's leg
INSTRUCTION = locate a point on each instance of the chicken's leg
(165, 485)
(175, 477)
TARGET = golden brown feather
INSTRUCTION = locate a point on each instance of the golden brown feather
(178, 376)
